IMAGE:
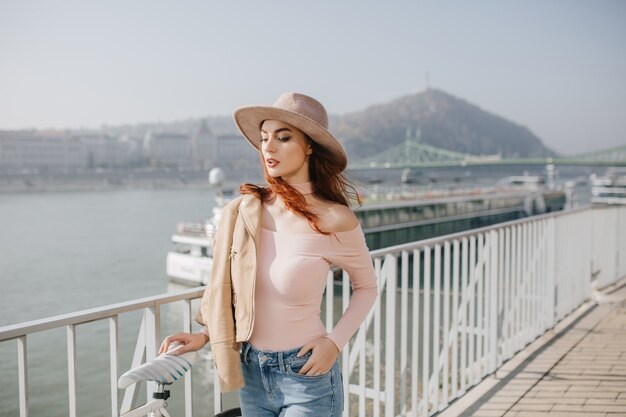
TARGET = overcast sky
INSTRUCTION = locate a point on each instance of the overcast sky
(557, 67)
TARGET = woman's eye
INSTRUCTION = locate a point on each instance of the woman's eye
(263, 139)
(284, 139)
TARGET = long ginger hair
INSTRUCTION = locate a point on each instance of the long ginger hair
(328, 183)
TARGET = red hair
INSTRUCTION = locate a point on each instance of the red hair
(328, 183)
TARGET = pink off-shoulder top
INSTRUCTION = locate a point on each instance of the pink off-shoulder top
(290, 282)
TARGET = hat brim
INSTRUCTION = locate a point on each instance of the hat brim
(249, 118)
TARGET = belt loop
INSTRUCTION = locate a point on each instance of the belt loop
(244, 352)
(281, 362)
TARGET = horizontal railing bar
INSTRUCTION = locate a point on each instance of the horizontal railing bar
(440, 239)
(93, 314)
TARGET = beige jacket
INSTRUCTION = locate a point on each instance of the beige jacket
(227, 306)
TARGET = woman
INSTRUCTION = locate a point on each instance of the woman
(272, 254)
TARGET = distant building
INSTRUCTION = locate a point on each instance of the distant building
(106, 151)
(58, 151)
(41, 151)
(236, 156)
(63, 151)
(169, 149)
(204, 147)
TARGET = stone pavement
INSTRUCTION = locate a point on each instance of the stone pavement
(577, 369)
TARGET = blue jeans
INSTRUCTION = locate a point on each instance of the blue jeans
(274, 387)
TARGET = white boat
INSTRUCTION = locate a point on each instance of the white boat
(191, 259)
(610, 188)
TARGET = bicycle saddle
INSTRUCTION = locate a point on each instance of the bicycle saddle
(165, 368)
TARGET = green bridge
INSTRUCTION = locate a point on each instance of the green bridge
(413, 153)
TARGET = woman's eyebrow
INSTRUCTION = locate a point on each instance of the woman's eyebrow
(278, 130)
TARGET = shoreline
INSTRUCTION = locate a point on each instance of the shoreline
(63, 187)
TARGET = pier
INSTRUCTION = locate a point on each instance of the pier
(491, 320)
(576, 369)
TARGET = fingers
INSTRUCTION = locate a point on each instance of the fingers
(323, 356)
(182, 338)
(188, 342)
(164, 345)
(305, 349)
(186, 348)
(314, 368)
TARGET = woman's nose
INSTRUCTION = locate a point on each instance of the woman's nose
(268, 145)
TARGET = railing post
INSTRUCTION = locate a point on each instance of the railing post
(140, 347)
(113, 351)
(217, 394)
(416, 328)
(455, 317)
(330, 298)
(446, 324)
(436, 313)
(536, 267)
(71, 368)
(471, 294)
(464, 313)
(479, 294)
(516, 239)
(153, 337)
(362, 383)
(426, 337)
(188, 381)
(345, 358)
(551, 253)
(22, 366)
(494, 278)
(377, 339)
(501, 315)
(390, 335)
(404, 319)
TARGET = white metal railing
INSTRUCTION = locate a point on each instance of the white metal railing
(483, 296)
(454, 309)
(148, 341)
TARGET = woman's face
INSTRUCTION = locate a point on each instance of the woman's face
(285, 151)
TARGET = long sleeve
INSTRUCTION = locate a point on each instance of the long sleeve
(352, 255)
(216, 306)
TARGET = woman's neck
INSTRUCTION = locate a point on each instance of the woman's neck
(304, 188)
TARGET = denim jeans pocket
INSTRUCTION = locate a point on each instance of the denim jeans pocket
(294, 367)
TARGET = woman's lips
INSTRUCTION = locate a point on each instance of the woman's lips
(271, 162)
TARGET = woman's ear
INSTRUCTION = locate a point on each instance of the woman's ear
(309, 144)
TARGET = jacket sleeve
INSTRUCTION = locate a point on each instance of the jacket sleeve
(216, 307)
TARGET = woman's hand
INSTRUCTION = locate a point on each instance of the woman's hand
(322, 358)
(190, 342)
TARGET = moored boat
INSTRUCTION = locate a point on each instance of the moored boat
(610, 188)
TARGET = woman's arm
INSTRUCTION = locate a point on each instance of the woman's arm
(350, 253)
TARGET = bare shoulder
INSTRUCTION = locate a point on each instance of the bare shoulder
(335, 217)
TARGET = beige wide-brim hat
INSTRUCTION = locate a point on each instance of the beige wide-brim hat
(300, 111)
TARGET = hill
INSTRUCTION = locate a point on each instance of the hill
(445, 121)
